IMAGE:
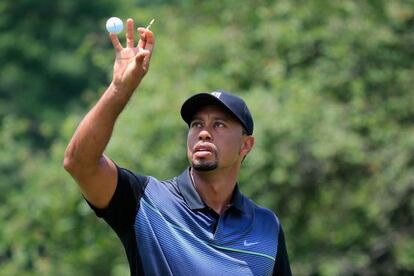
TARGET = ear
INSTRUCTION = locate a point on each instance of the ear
(248, 143)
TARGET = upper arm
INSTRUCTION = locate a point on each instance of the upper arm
(98, 185)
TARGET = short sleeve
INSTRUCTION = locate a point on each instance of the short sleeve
(123, 206)
(282, 266)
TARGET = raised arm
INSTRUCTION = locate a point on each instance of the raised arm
(84, 158)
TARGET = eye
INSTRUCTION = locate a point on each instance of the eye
(195, 124)
(219, 124)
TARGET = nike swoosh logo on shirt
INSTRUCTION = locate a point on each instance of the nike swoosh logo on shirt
(249, 243)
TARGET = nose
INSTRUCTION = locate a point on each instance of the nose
(204, 134)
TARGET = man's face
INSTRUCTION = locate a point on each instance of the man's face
(215, 140)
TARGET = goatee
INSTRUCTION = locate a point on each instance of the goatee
(204, 166)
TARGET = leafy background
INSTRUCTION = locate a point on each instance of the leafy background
(329, 84)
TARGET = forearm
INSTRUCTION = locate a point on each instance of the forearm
(85, 150)
(84, 157)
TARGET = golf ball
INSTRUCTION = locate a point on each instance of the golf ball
(114, 25)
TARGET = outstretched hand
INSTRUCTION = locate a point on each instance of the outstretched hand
(132, 62)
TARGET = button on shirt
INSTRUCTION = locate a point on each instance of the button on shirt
(167, 229)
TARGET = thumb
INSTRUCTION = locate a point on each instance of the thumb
(142, 59)
(139, 58)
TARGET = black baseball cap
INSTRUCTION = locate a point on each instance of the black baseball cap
(232, 103)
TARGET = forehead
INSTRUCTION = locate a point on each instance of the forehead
(214, 111)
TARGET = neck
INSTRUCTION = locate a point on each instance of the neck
(215, 187)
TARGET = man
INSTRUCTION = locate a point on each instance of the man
(197, 223)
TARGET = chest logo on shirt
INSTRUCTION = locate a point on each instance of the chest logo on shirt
(245, 243)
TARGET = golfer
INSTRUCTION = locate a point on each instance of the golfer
(198, 223)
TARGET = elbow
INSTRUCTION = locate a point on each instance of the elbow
(77, 165)
(73, 166)
(69, 163)
(73, 162)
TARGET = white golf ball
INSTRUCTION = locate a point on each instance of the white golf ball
(114, 25)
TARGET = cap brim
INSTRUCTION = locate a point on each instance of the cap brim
(194, 103)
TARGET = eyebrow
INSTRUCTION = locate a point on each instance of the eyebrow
(221, 118)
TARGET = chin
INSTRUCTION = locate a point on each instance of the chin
(204, 166)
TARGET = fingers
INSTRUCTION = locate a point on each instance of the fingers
(143, 58)
(115, 42)
(147, 40)
(141, 41)
(139, 58)
(130, 33)
(150, 40)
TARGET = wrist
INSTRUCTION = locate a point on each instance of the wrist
(123, 87)
(120, 89)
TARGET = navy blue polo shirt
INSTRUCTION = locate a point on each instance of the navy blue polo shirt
(167, 229)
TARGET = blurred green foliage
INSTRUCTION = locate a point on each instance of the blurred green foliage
(329, 85)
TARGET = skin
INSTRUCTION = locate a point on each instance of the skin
(84, 159)
(216, 148)
(215, 137)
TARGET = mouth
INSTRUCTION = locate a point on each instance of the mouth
(203, 150)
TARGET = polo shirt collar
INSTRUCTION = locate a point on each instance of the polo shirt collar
(193, 199)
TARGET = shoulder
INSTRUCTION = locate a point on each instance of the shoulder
(156, 184)
(159, 192)
(139, 181)
(262, 214)
(126, 176)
